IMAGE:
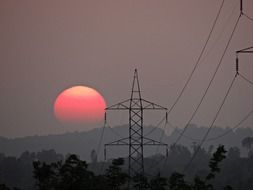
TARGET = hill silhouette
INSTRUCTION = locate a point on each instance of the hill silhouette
(82, 143)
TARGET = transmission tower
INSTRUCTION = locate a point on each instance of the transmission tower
(136, 140)
(245, 50)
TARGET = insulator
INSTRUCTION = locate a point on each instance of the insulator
(166, 117)
(167, 152)
(241, 7)
(105, 118)
(105, 153)
(237, 65)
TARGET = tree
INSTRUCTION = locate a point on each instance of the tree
(177, 181)
(72, 174)
(247, 142)
(233, 153)
(45, 175)
(218, 156)
(158, 183)
(4, 187)
(93, 156)
(140, 182)
(114, 175)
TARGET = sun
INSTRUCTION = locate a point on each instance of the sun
(79, 104)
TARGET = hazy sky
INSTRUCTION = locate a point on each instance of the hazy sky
(47, 46)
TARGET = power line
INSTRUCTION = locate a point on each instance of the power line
(219, 35)
(225, 133)
(233, 128)
(246, 117)
(198, 60)
(100, 143)
(248, 17)
(101, 139)
(246, 79)
(156, 127)
(114, 131)
(211, 81)
(212, 124)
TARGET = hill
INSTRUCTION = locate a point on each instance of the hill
(82, 143)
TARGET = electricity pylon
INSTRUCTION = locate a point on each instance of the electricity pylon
(245, 50)
(136, 140)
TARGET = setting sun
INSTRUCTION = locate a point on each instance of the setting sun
(79, 104)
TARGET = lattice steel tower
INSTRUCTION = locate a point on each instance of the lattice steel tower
(136, 140)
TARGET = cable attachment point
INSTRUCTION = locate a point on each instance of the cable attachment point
(105, 119)
(237, 65)
(241, 7)
(105, 154)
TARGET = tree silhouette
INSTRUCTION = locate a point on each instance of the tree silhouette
(93, 156)
(177, 181)
(4, 187)
(114, 175)
(247, 142)
(158, 183)
(72, 174)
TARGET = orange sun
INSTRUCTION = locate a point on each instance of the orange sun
(79, 104)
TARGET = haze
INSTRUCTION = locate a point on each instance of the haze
(47, 46)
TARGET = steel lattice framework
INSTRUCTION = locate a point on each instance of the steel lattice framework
(136, 140)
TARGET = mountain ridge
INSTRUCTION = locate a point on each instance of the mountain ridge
(82, 143)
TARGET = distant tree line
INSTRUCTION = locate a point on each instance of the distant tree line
(47, 170)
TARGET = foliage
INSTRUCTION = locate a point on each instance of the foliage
(52, 172)
(72, 174)
(115, 177)
(218, 156)
(158, 183)
(247, 142)
(177, 181)
(4, 187)
(140, 182)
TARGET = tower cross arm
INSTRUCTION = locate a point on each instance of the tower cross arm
(123, 141)
(124, 105)
(147, 105)
(150, 142)
(245, 50)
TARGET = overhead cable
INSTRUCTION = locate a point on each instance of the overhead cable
(198, 60)
(211, 81)
(248, 17)
(212, 124)
(246, 79)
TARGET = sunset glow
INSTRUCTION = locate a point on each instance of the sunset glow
(79, 104)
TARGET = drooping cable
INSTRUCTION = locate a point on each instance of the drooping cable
(224, 133)
(246, 79)
(156, 127)
(154, 162)
(100, 143)
(211, 81)
(233, 128)
(101, 139)
(212, 124)
(222, 30)
(246, 117)
(198, 60)
(113, 130)
(248, 17)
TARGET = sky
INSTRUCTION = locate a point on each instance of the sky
(47, 46)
